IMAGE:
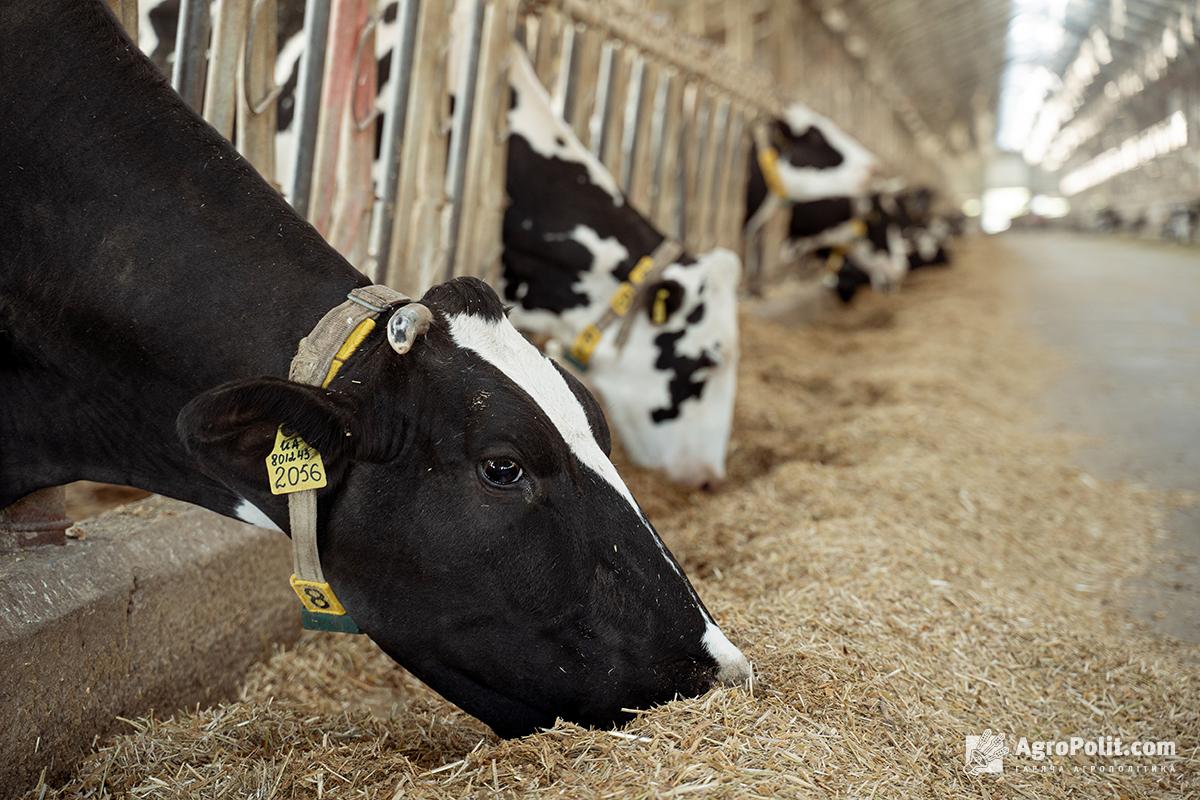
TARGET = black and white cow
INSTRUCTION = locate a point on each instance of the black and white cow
(872, 241)
(816, 160)
(570, 239)
(153, 289)
(865, 229)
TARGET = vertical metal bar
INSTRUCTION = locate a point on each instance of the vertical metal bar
(394, 128)
(732, 207)
(484, 198)
(564, 94)
(464, 111)
(308, 100)
(191, 52)
(681, 166)
(693, 192)
(347, 21)
(658, 139)
(257, 92)
(604, 99)
(713, 190)
(632, 121)
(220, 100)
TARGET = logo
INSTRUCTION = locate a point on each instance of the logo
(985, 754)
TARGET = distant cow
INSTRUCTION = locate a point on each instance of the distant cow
(153, 291)
(805, 157)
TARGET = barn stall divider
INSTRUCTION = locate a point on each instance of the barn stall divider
(669, 114)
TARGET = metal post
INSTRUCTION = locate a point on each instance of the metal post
(308, 100)
(632, 121)
(191, 52)
(658, 139)
(564, 90)
(464, 111)
(394, 124)
(598, 126)
(257, 92)
(693, 191)
(220, 92)
(713, 190)
(681, 167)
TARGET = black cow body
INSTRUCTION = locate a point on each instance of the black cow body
(153, 289)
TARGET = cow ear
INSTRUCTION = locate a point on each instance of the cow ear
(230, 430)
(663, 298)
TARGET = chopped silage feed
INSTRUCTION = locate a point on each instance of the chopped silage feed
(901, 551)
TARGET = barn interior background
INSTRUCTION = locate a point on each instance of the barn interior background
(1062, 115)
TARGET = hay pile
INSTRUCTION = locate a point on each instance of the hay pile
(899, 552)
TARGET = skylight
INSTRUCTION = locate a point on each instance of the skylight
(1035, 36)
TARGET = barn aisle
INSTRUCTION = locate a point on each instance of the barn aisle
(1124, 315)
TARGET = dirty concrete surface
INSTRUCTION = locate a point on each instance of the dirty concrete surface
(1124, 315)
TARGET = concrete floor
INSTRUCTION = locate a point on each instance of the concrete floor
(1125, 315)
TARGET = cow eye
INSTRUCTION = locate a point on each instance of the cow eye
(500, 471)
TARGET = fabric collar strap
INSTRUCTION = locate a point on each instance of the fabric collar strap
(319, 358)
(768, 162)
(628, 295)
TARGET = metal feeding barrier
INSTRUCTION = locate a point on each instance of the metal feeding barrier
(669, 115)
(421, 197)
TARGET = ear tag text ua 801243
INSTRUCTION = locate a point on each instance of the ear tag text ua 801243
(293, 465)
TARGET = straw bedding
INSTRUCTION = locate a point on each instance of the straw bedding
(903, 555)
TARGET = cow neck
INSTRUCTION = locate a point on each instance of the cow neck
(162, 263)
(630, 295)
(319, 357)
(553, 279)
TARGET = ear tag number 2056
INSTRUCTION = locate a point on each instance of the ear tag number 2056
(294, 466)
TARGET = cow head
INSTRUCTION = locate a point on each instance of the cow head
(817, 159)
(473, 525)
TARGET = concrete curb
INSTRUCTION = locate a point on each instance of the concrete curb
(163, 605)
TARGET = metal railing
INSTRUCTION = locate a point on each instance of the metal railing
(421, 197)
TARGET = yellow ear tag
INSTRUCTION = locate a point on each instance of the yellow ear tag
(659, 314)
(293, 465)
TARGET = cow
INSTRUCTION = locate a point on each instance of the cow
(805, 157)
(871, 241)
(867, 232)
(667, 373)
(153, 292)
